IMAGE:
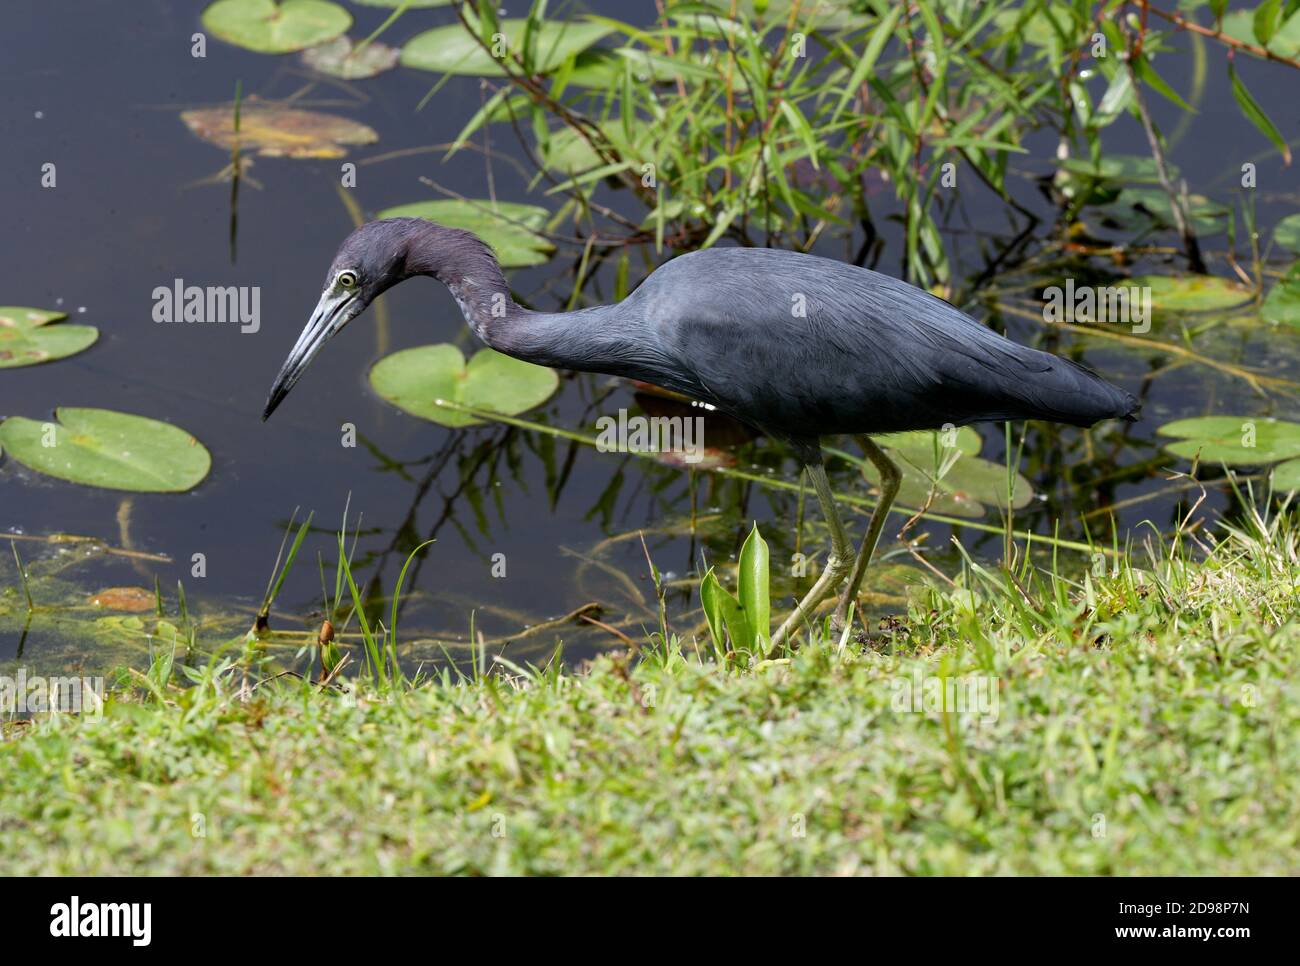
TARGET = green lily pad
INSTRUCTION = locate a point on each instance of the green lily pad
(509, 227)
(1137, 206)
(404, 3)
(1287, 233)
(415, 379)
(1286, 476)
(27, 338)
(452, 50)
(1192, 293)
(1122, 168)
(1224, 439)
(920, 444)
(1282, 305)
(966, 490)
(117, 451)
(340, 58)
(271, 28)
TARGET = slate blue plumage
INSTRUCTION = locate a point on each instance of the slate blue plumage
(796, 345)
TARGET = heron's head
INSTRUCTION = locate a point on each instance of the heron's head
(371, 260)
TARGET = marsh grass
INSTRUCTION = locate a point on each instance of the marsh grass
(1146, 723)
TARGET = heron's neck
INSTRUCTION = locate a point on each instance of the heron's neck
(466, 265)
(609, 339)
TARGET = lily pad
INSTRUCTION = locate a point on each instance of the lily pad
(968, 487)
(415, 380)
(1138, 206)
(509, 227)
(920, 444)
(276, 28)
(1286, 476)
(1228, 439)
(1287, 233)
(27, 338)
(1191, 293)
(403, 3)
(1282, 306)
(117, 451)
(1121, 168)
(135, 600)
(452, 50)
(340, 58)
(279, 132)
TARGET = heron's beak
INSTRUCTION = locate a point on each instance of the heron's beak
(333, 311)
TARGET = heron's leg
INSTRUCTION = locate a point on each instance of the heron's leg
(836, 567)
(889, 480)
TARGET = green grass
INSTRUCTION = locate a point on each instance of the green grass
(1148, 723)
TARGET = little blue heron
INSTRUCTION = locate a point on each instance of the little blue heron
(797, 346)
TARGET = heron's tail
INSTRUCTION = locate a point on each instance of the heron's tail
(1078, 396)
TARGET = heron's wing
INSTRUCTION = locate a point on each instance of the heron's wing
(808, 346)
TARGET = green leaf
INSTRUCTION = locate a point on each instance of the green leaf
(1142, 67)
(920, 444)
(1250, 107)
(1286, 476)
(415, 380)
(754, 589)
(711, 593)
(453, 50)
(507, 226)
(1282, 306)
(1234, 440)
(27, 338)
(1207, 216)
(1265, 21)
(271, 28)
(413, 4)
(1192, 293)
(733, 615)
(963, 484)
(117, 451)
(1286, 234)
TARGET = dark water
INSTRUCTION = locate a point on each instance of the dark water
(96, 87)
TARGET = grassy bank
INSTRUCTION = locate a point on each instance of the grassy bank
(1146, 721)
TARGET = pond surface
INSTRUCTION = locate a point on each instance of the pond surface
(97, 88)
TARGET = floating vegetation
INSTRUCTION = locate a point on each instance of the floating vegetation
(1282, 306)
(418, 380)
(452, 50)
(340, 57)
(133, 600)
(276, 131)
(276, 28)
(509, 227)
(1287, 233)
(413, 4)
(1233, 440)
(945, 475)
(1192, 293)
(116, 451)
(27, 338)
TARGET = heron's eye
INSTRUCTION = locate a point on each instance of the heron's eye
(347, 279)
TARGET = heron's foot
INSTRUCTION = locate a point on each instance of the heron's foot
(831, 577)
